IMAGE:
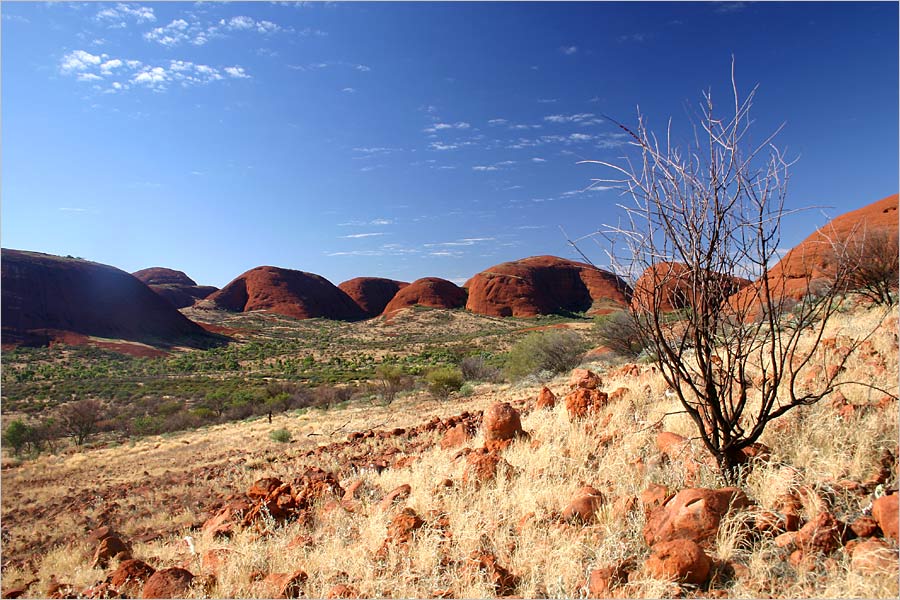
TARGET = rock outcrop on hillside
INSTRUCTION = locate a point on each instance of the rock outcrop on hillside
(814, 259)
(372, 294)
(175, 286)
(432, 292)
(46, 297)
(674, 279)
(542, 285)
(287, 292)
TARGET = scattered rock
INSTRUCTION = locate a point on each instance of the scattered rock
(342, 590)
(263, 487)
(501, 423)
(693, 514)
(403, 526)
(584, 506)
(398, 494)
(582, 403)
(130, 576)
(679, 560)
(654, 496)
(822, 534)
(503, 582)
(884, 510)
(482, 467)
(545, 399)
(873, 556)
(584, 379)
(600, 582)
(168, 583)
(109, 548)
(456, 436)
(865, 526)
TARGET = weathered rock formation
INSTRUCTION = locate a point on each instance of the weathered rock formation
(432, 292)
(542, 285)
(372, 294)
(46, 297)
(296, 294)
(176, 287)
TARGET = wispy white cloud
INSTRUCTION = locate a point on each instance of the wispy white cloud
(569, 50)
(122, 74)
(484, 168)
(356, 236)
(496, 122)
(237, 72)
(118, 16)
(447, 126)
(634, 37)
(15, 18)
(79, 60)
(462, 242)
(349, 90)
(579, 118)
(729, 7)
(537, 159)
(377, 221)
(547, 100)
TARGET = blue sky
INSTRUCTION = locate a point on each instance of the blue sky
(403, 140)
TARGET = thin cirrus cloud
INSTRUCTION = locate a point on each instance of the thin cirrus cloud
(120, 75)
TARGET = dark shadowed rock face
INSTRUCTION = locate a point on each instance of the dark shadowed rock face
(432, 292)
(372, 294)
(296, 294)
(176, 287)
(542, 285)
(46, 296)
(813, 259)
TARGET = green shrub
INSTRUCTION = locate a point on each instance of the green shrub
(281, 436)
(466, 390)
(550, 351)
(16, 435)
(443, 381)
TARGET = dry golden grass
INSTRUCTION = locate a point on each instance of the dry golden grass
(813, 448)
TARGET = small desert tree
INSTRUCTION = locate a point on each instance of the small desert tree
(388, 381)
(872, 264)
(79, 419)
(716, 208)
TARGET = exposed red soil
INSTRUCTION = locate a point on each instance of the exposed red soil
(542, 285)
(432, 292)
(372, 294)
(44, 296)
(296, 294)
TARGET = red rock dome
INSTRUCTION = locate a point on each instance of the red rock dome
(429, 291)
(372, 294)
(675, 280)
(542, 285)
(175, 286)
(813, 259)
(45, 296)
(296, 294)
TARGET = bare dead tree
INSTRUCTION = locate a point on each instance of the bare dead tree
(693, 218)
